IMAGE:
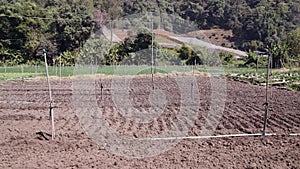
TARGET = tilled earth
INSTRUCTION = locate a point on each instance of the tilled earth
(25, 128)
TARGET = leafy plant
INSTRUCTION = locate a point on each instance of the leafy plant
(67, 58)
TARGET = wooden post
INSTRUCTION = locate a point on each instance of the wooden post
(50, 96)
(22, 69)
(60, 69)
(266, 103)
(55, 68)
(101, 85)
(5, 66)
(194, 67)
(111, 33)
(256, 66)
(271, 81)
(152, 58)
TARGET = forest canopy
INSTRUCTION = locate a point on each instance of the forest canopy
(63, 26)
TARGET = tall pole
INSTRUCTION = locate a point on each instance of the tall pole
(111, 33)
(267, 101)
(101, 85)
(50, 96)
(22, 69)
(60, 69)
(5, 66)
(192, 84)
(152, 57)
(271, 80)
(194, 67)
(111, 39)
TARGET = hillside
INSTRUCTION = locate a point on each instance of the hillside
(218, 37)
(170, 40)
(64, 26)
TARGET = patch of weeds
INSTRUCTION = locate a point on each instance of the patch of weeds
(295, 87)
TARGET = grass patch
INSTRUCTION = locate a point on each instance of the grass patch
(287, 79)
(295, 87)
(8, 76)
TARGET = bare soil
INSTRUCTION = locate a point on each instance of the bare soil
(216, 36)
(25, 128)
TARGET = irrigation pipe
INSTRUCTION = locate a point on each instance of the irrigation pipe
(217, 136)
(50, 96)
(295, 134)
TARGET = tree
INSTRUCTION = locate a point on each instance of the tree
(293, 43)
(19, 31)
(185, 52)
(26, 27)
(111, 9)
(226, 58)
(215, 11)
(73, 25)
(279, 53)
(138, 45)
(142, 41)
(191, 56)
(252, 60)
(266, 21)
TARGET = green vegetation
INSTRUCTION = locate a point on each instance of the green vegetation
(63, 27)
(8, 76)
(256, 24)
(27, 27)
(118, 52)
(30, 71)
(295, 87)
(289, 79)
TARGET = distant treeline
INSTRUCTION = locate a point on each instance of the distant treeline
(63, 26)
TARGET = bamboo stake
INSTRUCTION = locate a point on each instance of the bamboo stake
(266, 103)
(5, 66)
(22, 69)
(55, 69)
(152, 50)
(50, 96)
(60, 70)
(271, 80)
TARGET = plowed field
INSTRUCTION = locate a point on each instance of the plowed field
(25, 125)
